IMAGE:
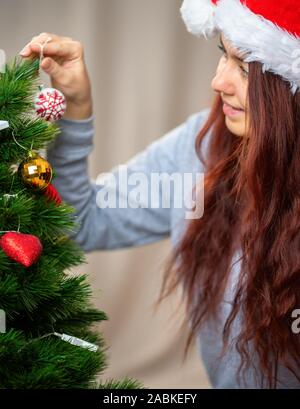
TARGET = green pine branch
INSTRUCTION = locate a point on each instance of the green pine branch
(43, 298)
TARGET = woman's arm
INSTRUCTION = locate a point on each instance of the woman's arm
(115, 227)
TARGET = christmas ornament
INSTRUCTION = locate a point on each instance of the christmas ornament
(4, 125)
(68, 338)
(22, 248)
(35, 171)
(50, 104)
(77, 341)
(53, 194)
(266, 31)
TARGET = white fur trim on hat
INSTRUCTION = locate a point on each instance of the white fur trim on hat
(275, 48)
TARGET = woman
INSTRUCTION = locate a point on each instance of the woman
(239, 263)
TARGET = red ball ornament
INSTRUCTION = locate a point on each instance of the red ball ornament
(22, 248)
(50, 104)
(52, 194)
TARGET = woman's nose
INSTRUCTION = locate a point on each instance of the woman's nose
(223, 80)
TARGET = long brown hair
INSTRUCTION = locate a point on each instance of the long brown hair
(252, 200)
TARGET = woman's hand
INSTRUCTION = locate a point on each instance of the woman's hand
(64, 62)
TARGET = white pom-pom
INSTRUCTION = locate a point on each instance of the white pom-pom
(198, 16)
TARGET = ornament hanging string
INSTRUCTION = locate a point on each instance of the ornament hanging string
(7, 196)
(14, 138)
(42, 46)
(50, 104)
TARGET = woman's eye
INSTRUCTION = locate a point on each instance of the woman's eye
(222, 48)
(223, 51)
(244, 72)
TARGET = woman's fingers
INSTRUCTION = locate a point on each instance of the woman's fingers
(43, 36)
(33, 48)
(65, 49)
(52, 68)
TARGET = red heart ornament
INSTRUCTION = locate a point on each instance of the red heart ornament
(23, 248)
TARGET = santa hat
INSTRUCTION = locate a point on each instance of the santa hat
(268, 31)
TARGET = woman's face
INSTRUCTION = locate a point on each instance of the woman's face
(231, 80)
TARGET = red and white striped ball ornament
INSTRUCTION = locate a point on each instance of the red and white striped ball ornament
(50, 104)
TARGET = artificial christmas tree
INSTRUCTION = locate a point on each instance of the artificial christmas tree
(49, 341)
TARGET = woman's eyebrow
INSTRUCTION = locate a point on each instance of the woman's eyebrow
(234, 56)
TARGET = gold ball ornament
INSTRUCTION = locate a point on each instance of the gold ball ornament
(35, 171)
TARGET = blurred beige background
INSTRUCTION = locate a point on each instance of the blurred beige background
(148, 75)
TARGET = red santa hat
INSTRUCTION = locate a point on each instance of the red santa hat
(267, 31)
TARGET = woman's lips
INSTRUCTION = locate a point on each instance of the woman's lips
(230, 111)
